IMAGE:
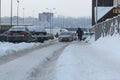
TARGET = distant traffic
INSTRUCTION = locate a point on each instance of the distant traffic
(38, 34)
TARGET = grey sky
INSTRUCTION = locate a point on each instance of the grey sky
(68, 8)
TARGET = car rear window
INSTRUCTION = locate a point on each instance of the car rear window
(17, 29)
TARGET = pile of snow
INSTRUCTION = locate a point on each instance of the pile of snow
(110, 46)
(108, 43)
(7, 48)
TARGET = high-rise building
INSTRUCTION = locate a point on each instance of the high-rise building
(46, 19)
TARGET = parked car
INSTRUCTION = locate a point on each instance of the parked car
(49, 36)
(65, 36)
(19, 34)
(38, 33)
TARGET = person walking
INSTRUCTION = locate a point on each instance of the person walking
(79, 33)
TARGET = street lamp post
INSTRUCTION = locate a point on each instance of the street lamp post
(33, 18)
(11, 15)
(96, 11)
(17, 12)
(96, 19)
(0, 14)
(23, 15)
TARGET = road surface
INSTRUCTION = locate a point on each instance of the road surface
(21, 67)
(75, 60)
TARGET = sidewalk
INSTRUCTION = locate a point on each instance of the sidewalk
(88, 62)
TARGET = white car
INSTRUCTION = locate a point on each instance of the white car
(65, 36)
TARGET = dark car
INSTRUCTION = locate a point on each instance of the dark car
(65, 36)
(19, 34)
(49, 36)
(38, 33)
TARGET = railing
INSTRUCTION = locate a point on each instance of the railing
(108, 27)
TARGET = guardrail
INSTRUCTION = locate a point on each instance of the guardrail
(108, 27)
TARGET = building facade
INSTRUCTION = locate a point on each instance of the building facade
(45, 19)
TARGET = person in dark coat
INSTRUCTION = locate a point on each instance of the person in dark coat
(79, 33)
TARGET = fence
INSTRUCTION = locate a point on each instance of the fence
(108, 27)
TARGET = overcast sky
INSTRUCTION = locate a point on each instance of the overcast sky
(67, 8)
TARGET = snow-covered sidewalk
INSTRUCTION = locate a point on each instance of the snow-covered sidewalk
(97, 61)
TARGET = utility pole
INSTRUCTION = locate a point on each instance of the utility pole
(0, 14)
(96, 19)
(33, 18)
(17, 12)
(23, 15)
(11, 15)
(96, 11)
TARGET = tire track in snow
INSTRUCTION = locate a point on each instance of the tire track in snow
(47, 69)
(21, 68)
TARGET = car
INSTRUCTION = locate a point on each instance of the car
(49, 36)
(19, 34)
(38, 33)
(65, 36)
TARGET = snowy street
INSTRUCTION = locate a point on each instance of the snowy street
(20, 68)
(75, 60)
(60, 40)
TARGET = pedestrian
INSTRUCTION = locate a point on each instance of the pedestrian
(79, 33)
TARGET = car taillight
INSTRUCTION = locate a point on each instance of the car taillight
(10, 33)
(23, 33)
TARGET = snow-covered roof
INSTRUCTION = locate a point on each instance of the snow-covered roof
(17, 28)
(102, 11)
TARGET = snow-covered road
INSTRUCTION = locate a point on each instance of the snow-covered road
(67, 61)
(21, 68)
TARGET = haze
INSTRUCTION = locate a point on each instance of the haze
(67, 8)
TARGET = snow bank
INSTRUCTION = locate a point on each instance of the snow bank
(110, 46)
(108, 43)
(7, 48)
